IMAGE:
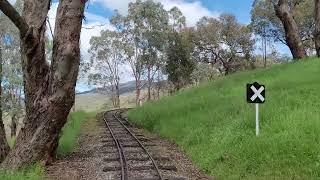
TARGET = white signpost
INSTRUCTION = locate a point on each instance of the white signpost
(256, 95)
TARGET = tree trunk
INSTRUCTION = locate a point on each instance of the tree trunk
(13, 125)
(159, 86)
(116, 94)
(264, 49)
(317, 27)
(149, 82)
(138, 85)
(4, 147)
(49, 91)
(292, 35)
(113, 96)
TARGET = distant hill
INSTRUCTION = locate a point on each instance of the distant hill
(127, 87)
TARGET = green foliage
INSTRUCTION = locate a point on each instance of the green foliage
(179, 64)
(34, 172)
(224, 43)
(71, 130)
(12, 84)
(215, 126)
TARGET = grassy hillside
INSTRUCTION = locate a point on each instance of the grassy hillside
(215, 126)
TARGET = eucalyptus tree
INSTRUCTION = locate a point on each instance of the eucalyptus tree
(49, 90)
(238, 44)
(12, 73)
(176, 19)
(107, 54)
(150, 23)
(13, 84)
(268, 20)
(292, 34)
(224, 43)
(4, 147)
(179, 64)
(208, 40)
(10, 77)
(131, 45)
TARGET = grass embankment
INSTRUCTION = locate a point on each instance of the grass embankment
(67, 143)
(215, 126)
(71, 131)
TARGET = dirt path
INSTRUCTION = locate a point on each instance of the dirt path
(86, 162)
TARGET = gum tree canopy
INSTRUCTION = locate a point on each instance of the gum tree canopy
(49, 89)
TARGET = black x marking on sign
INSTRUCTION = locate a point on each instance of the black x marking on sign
(256, 93)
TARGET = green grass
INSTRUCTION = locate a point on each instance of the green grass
(34, 172)
(215, 126)
(71, 131)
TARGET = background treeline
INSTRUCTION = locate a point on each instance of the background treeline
(165, 55)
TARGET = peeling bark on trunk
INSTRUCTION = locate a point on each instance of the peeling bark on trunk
(292, 35)
(49, 91)
(317, 27)
(4, 147)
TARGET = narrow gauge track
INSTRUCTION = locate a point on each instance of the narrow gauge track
(119, 132)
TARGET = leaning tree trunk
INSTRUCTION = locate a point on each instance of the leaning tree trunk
(4, 147)
(291, 29)
(49, 91)
(317, 27)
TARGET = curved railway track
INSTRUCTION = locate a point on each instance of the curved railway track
(124, 139)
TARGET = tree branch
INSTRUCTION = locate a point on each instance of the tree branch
(14, 16)
(50, 27)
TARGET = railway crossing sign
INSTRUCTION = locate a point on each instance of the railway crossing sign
(256, 93)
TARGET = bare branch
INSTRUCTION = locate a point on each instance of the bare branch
(50, 27)
(14, 16)
(94, 26)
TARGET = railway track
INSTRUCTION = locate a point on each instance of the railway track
(130, 157)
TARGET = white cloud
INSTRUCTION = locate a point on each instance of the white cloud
(192, 10)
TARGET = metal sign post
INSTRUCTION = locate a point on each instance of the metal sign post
(256, 95)
(257, 119)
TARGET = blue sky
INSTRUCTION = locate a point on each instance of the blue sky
(240, 8)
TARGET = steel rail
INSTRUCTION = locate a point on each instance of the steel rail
(142, 146)
(123, 164)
